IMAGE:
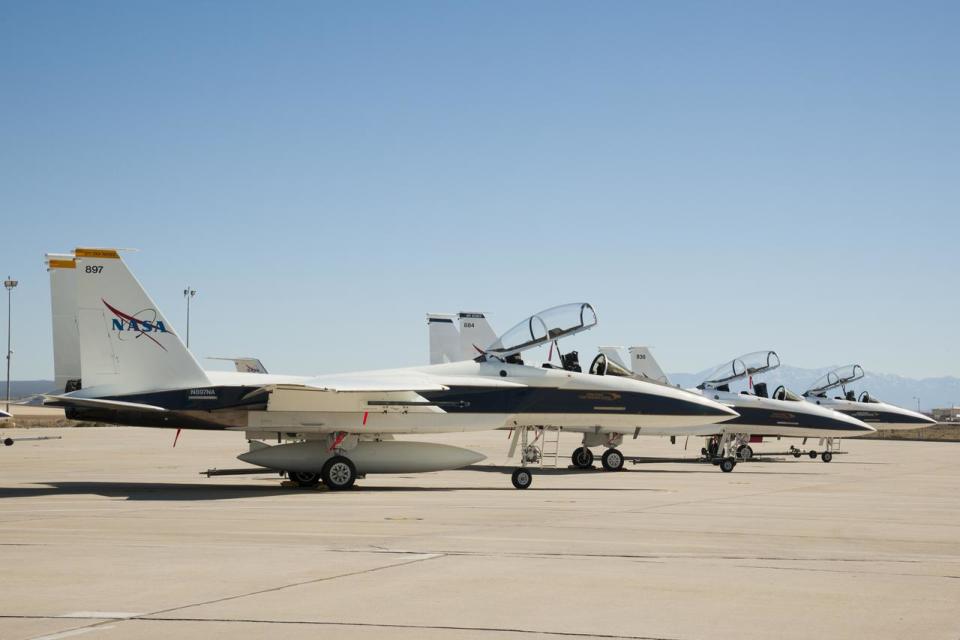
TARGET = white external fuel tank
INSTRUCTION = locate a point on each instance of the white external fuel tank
(390, 456)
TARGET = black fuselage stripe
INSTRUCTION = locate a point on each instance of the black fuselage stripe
(784, 418)
(887, 417)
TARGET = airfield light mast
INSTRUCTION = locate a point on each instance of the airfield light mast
(10, 284)
(188, 293)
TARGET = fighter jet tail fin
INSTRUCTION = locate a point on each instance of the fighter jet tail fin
(126, 342)
(63, 304)
(458, 337)
(444, 338)
(476, 334)
(643, 363)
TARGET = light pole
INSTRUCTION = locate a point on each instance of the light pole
(188, 293)
(918, 403)
(10, 284)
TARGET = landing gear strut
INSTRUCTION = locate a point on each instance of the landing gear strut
(722, 452)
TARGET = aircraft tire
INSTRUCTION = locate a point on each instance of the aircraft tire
(796, 454)
(304, 479)
(826, 456)
(813, 455)
(582, 458)
(338, 473)
(612, 460)
(727, 465)
(521, 478)
(8, 442)
(745, 452)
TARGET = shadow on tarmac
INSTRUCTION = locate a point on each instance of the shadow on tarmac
(195, 492)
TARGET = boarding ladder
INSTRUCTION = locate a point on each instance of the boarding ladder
(543, 450)
(550, 449)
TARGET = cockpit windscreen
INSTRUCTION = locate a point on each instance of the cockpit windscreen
(839, 377)
(544, 327)
(746, 365)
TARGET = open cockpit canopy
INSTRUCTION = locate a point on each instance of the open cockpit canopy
(750, 364)
(839, 377)
(544, 327)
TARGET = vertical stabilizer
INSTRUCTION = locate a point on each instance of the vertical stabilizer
(476, 334)
(63, 305)
(126, 344)
(444, 338)
(643, 363)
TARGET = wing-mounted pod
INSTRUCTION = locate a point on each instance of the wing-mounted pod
(839, 377)
(750, 365)
(542, 328)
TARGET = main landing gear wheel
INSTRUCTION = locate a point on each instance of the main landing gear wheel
(338, 473)
(813, 455)
(745, 452)
(826, 456)
(521, 478)
(304, 479)
(582, 458)
(727, 465)
(796, 453)
(612, 460)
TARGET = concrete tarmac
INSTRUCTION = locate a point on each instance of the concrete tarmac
(110, 533)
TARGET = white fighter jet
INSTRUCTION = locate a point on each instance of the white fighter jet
(461, 336)
(878, 414)
(135, 370)
(784, 414)
(781, 414)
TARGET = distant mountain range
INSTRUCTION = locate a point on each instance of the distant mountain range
(933, 392)
(20, 389)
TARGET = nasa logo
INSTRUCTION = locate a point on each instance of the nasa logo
(599, 395)
(782, 415)
(142, 326)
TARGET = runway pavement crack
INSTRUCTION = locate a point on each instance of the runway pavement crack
(431, 556)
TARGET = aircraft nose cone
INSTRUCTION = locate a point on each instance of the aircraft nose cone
(707, 407)
(849, 423)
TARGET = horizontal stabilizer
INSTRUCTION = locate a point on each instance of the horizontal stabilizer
(245, 364)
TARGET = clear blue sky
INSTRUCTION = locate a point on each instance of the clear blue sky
(715, 177)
